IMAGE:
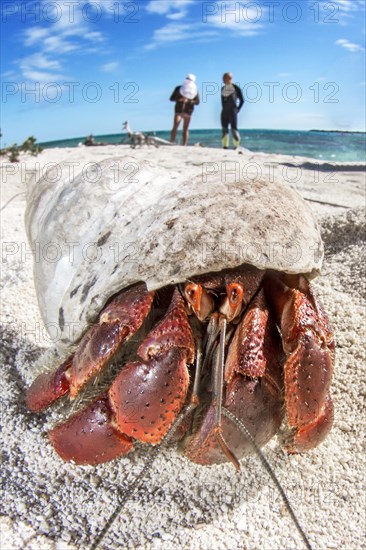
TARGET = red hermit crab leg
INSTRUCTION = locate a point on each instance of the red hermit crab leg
(49, 386)
(239, 384)
(143, 401)
(253, 388)
(119, 320)
(253, 374)
(308, 344)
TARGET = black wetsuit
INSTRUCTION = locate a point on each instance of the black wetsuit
(230, 96)
(183, 108)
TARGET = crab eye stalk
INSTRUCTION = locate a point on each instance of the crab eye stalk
(232, 303)
(198, 298)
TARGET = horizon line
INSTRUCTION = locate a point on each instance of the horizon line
(217, 128)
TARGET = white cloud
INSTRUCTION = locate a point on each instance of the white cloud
(71, 31)
(62, 36)
(349, 5)
(178, 32)
(34, 35)
(9, 74)
(173, 32)
(107, 7)
(95, 36)
(344, 7)
(230, 19)
(350, 46)
(58, 45)
(39, 68)
(41, 76)
(41, 61)
(237, 20)
(172, 9)
(109, 67)
(339, 11)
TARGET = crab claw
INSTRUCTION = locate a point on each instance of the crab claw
(119, 320)
(48, 387)
(90, 437)
(147, 396)
(143, 400)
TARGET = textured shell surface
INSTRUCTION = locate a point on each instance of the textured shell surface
(122, 221)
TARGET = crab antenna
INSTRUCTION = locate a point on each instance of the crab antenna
(198, 371)
(270, 471)
(137, 481)
(218, 388)
(124, 495)
(210, 340)
(220, 369)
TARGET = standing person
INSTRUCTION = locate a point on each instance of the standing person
(230, 96)
(185, 97)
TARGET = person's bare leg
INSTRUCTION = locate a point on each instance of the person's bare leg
(173, 133)
(186, 122)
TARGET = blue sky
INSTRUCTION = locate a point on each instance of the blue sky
(72, 67)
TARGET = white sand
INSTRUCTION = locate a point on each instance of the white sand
(48, 504)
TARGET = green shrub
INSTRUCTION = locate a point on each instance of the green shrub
(28, 146)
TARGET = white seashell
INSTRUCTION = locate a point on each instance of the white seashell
(122, 221)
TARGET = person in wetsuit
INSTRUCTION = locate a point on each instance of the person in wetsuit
(185, 97)
(232, 101)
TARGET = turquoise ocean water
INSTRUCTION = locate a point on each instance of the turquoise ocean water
(330, 146)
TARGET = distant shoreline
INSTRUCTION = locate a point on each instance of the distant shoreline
(333, 146)
(243, 130)
(338, 131)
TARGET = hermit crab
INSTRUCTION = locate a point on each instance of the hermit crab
(203, 283)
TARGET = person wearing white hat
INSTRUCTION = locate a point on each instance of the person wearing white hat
(186, 97)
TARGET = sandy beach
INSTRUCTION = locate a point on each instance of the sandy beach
(48, 504)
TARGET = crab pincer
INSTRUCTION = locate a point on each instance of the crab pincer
(118, 321)
(142, 402)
